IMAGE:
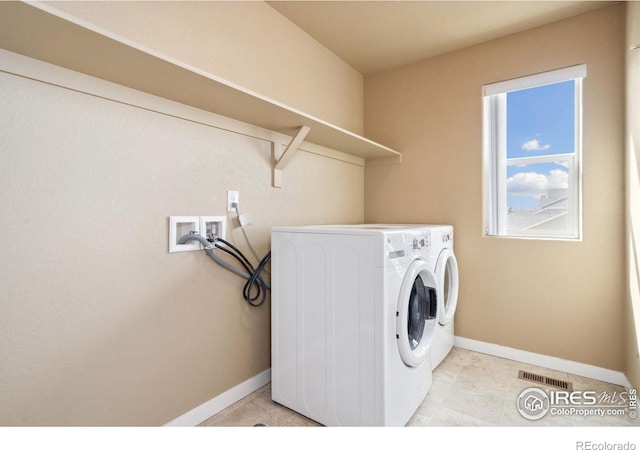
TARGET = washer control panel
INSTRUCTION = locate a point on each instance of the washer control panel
(421, 241)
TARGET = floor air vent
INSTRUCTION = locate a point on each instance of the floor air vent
(541, 379)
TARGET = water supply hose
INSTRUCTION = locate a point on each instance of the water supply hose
(255, 283)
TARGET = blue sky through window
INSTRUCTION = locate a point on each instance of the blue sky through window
(540, 122)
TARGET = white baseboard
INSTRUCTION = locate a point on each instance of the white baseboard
(550, 362)
(201, 413)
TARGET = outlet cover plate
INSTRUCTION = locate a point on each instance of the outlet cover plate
(232, 197)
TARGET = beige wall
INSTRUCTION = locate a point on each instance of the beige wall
(99, 324)
(632, 309)
(564, 299)
(102, 326)
(248, 43)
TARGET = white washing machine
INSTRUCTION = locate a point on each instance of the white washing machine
(446, 271)
(354, 314)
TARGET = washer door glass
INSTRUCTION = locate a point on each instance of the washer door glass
(416, 313)
(447, 270)
(419, 310)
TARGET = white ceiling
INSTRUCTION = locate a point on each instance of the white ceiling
(373, 36)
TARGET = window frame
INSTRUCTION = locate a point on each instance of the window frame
(495, 161)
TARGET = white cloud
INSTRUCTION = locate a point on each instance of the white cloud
(534, 144)
(534, 184)
(558, 179)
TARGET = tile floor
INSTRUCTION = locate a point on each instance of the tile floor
(468, 389)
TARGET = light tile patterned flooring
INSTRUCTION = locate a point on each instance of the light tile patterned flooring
(468, 389)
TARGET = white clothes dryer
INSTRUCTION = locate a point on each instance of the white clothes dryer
(354, 313)
(446, 271)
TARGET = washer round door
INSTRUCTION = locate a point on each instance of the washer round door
(447, 272)
(416, 313)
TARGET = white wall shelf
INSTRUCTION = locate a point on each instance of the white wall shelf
(40, 34)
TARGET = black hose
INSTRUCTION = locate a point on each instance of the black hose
(254, 283)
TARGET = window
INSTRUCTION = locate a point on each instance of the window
(532, 155)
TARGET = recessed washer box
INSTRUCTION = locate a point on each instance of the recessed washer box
(213, 226)
(178, 227)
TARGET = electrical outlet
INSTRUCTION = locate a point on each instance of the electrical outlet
(233, 197)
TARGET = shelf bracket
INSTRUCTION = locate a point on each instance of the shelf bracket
(288, 153)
